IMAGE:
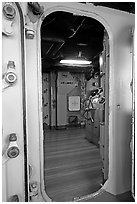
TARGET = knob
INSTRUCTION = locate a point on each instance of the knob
(12, 137)
(30, 33)
(9, 11)
(10, 77)
(11, 64)
(13, 152)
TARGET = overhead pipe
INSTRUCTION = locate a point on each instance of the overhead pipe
(57, 48)
(60, 41)
(77, 29)
(74, 32)
(53, 39)
(49, 48)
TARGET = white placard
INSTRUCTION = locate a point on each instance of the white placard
(74, 103)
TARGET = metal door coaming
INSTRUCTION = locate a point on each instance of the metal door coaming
(116, 31)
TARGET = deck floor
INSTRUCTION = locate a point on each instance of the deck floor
(72, 164)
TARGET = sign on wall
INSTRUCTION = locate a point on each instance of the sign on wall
(74, 103)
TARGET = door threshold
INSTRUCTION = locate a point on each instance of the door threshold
(89, 196)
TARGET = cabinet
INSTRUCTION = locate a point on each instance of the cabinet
(93, 129)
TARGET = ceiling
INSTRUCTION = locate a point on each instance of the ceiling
(67, 36)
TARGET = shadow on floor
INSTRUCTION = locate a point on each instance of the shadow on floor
(108, 197)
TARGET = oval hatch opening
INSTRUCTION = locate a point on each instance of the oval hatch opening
(75, 99)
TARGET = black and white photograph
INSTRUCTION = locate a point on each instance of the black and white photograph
(68, 101)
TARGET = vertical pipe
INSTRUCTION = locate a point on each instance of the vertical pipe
(24, 105)
(106, 106)
(56, 92)
(50, 114)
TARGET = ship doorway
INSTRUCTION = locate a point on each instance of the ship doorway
(75, 102)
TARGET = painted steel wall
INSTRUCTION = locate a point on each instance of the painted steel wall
(12, 110)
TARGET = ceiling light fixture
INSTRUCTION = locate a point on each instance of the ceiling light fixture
(78, 61)
(75, 62)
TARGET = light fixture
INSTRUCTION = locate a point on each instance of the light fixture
(77, 61)
(101, 60)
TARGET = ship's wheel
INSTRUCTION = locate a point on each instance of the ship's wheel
(87, 109)
(88, 105)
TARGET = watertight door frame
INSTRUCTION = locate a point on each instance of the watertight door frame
(77, 11)
(119, 50)
(133, 113)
